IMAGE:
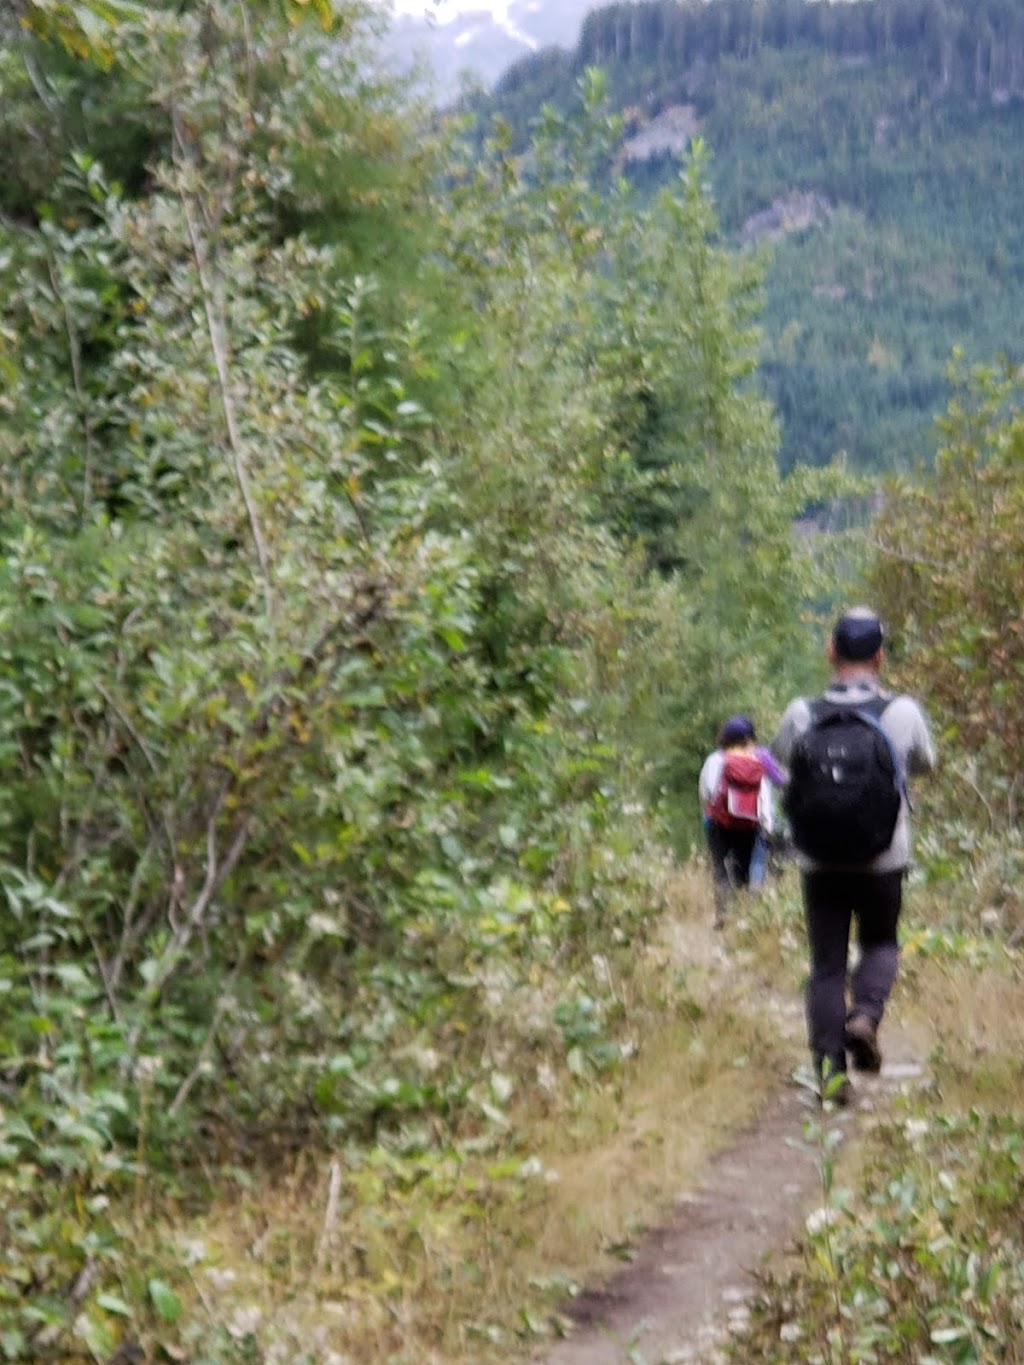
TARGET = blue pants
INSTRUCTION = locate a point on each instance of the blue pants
(759, 861)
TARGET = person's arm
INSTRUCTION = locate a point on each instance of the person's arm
(710, 776)
(921, 758)
(907, 724)
(766, 806)
(794, 722)
(773, 770)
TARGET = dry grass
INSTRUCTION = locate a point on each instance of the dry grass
(971, 1018)
(628, 1157)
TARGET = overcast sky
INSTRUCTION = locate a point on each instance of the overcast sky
(447, 9)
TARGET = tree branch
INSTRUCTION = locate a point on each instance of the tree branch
(75, 350)
(222, 1003)
(220, 357)
(217, 872)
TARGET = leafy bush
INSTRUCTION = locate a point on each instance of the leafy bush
(911, 1271)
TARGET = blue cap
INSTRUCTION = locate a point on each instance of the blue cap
(736, 730)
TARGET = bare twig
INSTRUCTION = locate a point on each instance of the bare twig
(330, 1215)
(49, 1335)
(217, 872)
(117, 966)
(213, 310)
(129, 725)
(75, 351)
(915, 561)
(46, 98)
(108, 984)
(966, 775)
(208, 1042)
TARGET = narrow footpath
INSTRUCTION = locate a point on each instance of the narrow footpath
(688, 1287)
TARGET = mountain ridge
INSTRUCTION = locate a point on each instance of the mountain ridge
(874, 143)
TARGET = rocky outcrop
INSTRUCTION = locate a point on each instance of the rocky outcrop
(670, 132)
(793, 213)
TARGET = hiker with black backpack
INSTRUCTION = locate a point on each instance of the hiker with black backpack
(849, 754)
(737, 801)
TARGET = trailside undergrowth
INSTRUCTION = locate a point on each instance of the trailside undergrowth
(340, 702)
(916, 1253)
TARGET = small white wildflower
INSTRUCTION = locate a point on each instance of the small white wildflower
(739, 1321)
(146, 1069)
(602, 969)
(915, 1129)
(546, 1078)
(790, 1331)
(193, 1250)
(245, 1321)
(821, 1219)
(221, 1278)
(324, 925)
(427, 1059)
(501, 1087)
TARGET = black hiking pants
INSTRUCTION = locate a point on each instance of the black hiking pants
(731, 851)
(832, 899)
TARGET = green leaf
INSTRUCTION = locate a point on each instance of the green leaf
(165, 1301)
(111, 1303)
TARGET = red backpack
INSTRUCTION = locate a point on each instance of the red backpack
(735, 803)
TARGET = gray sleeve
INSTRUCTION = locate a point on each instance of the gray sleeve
(909, 728)
(710, 775)
(795, 720)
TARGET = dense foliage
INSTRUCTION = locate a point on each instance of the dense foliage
(927, 1267)
(898, 122)
(337, 683)
(948, 557)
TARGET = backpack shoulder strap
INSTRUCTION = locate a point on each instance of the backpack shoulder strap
(871, 713)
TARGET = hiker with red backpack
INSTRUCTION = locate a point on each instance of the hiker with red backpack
(735, 793)
(849, 754)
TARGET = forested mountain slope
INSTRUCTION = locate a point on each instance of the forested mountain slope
(874, 143)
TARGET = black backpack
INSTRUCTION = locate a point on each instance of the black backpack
(845, 784)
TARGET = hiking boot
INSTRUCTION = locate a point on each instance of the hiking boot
(862, 1043)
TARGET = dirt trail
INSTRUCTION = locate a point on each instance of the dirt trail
(691, 1278)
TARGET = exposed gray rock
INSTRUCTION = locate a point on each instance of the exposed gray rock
(670, 131)
(794, 213)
